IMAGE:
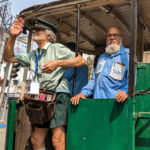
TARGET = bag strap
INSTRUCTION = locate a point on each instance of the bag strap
(52, 110)
(58, 83)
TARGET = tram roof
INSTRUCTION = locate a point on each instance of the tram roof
(96, 17)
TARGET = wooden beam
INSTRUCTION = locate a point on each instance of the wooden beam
(91, 19)
(140, 37)
(145, 20)
(94, 21)
(133, 41)
(61, 7)
(142, 16)
(140, 42)
(147, 47)
(83, 35)
(67, 26)
(113, 11)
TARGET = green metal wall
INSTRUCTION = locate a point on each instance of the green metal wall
(100, 124)
(142, 108)
(11, 125)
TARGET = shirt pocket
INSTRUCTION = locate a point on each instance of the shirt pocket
(100, 67)
(117, 71)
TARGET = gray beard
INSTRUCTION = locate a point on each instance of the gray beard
(113, 48)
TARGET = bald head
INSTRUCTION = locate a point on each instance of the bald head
(114, 29)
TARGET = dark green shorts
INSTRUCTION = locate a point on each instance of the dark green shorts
(61, 110)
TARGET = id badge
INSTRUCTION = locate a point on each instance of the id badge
(117, 71)
(100, 66)
(34, 88)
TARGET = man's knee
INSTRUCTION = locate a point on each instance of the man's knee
(58, 136)
(37, 141)
(38, 137)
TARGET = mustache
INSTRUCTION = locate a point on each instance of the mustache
(112, 48)
(111, 41)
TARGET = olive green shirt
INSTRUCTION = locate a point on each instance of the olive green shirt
(50, 52)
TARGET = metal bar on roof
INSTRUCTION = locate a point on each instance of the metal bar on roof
(77, 46)
(133, 40)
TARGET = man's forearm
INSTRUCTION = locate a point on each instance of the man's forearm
(75, 62)
(8, 55)
(50, 66)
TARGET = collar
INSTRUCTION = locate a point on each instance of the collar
(46, 46)
(43, 49)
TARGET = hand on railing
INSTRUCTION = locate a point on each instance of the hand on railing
(75, 99)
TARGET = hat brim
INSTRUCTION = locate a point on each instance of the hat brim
(39, 28)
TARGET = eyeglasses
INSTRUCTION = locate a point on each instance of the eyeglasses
(114, 35)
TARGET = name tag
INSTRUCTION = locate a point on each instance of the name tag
(117, 71)
(34, 88)
(100, 66)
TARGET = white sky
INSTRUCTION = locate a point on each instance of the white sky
(18, 5)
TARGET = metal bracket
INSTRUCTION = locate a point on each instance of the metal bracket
(145, 115)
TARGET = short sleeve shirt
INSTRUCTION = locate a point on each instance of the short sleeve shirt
(50, 52)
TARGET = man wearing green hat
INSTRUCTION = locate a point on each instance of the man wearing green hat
(47, 64)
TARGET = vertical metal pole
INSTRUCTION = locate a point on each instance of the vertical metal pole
(4, 84)
(133, 40)
(28, 50)
(77, 29)
(10, 125)
(140, 33)
(1, 48)
(77, 45)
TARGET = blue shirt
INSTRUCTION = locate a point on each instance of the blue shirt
(81, 78)
(110, 75)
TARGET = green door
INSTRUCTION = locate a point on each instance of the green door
(100, 125)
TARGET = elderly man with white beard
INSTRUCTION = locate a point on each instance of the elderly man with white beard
(110, 77)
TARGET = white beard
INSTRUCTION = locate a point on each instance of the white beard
(113, 48)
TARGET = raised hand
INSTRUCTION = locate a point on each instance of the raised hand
(17, 27)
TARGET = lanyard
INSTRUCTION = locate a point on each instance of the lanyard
(36, 66)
